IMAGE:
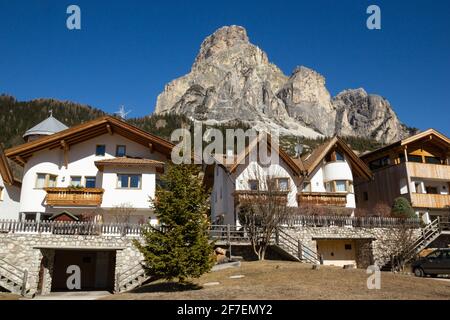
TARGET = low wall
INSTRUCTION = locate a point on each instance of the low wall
(370, 242)
(27, 250)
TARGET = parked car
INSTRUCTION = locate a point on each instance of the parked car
(433, 264)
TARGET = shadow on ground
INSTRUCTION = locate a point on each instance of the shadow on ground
(167, 287)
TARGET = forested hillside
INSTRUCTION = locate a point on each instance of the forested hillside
(18, 116)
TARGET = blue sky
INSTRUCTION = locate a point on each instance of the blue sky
(128, 50)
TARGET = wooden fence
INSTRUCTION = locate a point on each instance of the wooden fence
(72, 228)
(357, 222)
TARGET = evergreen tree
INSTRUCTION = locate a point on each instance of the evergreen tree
(180, 247)
(402, 208)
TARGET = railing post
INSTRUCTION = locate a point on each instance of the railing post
(300, 250)
(24, 282)
(229, 239)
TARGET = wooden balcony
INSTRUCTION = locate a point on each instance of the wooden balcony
(253, 196)
(434, 201)
(322, 198)
(74, 196)
(428, 171)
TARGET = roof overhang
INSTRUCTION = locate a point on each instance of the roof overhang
(86, 131)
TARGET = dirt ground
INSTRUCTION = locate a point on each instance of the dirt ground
(291, 280)
(8, 296)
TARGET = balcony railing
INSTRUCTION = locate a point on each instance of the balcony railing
(426, 200)
(428, 170)
(323, 198)
(74, 196)
(252, 196)
(339, 221)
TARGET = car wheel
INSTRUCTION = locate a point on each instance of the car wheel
(418, 272)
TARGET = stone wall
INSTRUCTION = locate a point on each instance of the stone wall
(28, 251)
(370, 242)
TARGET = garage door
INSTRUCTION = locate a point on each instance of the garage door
(96, 269)
(337, 252)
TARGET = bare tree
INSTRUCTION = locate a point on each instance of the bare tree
(397, 245)
(123, 213)
(264, 208)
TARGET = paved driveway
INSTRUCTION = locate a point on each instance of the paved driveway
(75, 295)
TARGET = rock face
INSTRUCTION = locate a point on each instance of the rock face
(232, 79)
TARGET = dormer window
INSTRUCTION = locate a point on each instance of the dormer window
(121, 151)
(339, 156)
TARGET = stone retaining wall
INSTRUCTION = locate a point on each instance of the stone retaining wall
(370, 242)
(26, 251)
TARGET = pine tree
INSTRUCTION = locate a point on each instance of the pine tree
(402, 208)
(179, 248)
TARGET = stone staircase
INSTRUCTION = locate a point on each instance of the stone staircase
(293, 248)
(131, 278)
(14, 279)
(428, 234)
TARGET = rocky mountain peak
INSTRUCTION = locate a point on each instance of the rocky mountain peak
(222, 40)
(232, 79)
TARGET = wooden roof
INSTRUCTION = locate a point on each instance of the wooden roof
(86, 131)
(314, 159)
(5, 170)
(439, 138)
(127, 162)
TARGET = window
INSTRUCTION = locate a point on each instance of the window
(366, 196)
(431, 190)
(253, 185)
(412, 158)
(379, 163)
(339, 156)
(129, 181)
(328, 187)
(306, 187)
(348, 247)
(341, 186)
(100, 150)
(1, 193)
(283, 184)
(121, 151)
(91, 182)
(45, 180)
(432, 160)
(75, 181)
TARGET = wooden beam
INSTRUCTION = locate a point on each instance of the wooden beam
(108, 127)
(150, 146)
(21, 160)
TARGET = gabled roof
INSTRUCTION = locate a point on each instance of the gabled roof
(49, 126)
(5, 170)
(67, 213)
(128, 162)
(86, 131)
(314, 159)
(427, 133)
(295, 164)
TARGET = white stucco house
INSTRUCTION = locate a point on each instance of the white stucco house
(322, 179)
(103, 169)
(9, 191)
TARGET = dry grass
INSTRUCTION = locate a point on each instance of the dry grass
(291, 280)
(8, 296)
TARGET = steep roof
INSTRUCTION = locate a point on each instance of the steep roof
(5, 170)
(86, 131)
(295, 164)
(49, 126)
(427, 133)
(313, 160)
